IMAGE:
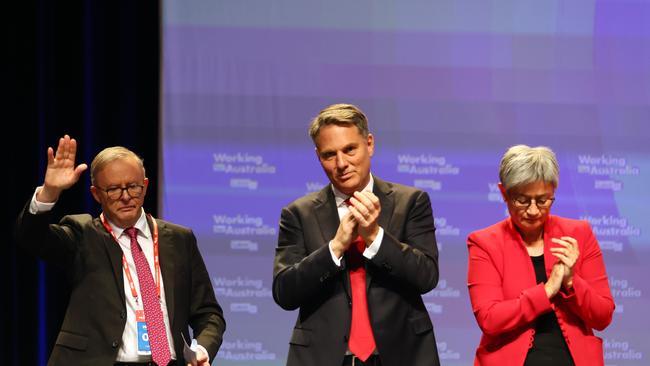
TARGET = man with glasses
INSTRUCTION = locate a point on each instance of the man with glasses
(137, 282)
(537, 282)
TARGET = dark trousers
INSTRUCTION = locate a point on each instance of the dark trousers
(352, 360)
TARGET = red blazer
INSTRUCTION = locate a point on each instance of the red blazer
(506, 300)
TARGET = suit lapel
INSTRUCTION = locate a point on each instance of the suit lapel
(549, 232)
(114, 253)
(328, 221)
(518, 254)
(384, 193)
(326, 212)
(166, 253)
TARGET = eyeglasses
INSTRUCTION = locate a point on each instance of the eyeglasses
(524, 202)
(114, 193)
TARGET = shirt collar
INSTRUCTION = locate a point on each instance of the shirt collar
(340, 197)
(142, 225)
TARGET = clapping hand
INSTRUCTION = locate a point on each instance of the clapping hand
(567, 254)
(365, 208)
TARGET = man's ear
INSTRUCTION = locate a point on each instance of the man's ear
(95, 193)
(371, 144)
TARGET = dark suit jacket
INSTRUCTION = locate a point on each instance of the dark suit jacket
(96, 315)
(305, 277)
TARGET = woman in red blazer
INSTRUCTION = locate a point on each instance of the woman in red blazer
(537, 282)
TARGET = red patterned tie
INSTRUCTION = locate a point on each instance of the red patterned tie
(153, 315)
(362, 341)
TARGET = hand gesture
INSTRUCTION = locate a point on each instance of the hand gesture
(554, 282)
(201, 358)
(568, 255)
(61, 172)
(345, 234)
(365, 208)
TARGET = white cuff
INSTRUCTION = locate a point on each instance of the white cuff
(36, 207)
(336, 260)
(373, 248)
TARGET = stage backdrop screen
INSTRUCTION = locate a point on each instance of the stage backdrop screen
(447, 86)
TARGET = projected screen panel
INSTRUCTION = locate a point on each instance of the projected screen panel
(447, 87)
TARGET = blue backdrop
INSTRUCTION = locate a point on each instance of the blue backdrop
(447, 86)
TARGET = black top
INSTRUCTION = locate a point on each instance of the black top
(549, 346)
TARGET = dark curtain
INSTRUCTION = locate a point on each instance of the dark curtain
(85, 68)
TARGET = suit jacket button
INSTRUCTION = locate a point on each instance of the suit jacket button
(115, 344)
(122, 315)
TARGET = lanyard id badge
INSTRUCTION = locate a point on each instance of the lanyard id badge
(144, 348)
(143, 337)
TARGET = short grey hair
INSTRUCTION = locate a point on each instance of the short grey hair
(523, 164)
(340, 115)
(111, 154)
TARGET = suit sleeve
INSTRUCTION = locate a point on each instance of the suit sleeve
(206, 316)
(495, 314)
(413, 261)
(590, 298)
(297, 274)
(54, 243)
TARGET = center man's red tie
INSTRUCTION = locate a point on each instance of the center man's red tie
(362, 341)
(152, 313)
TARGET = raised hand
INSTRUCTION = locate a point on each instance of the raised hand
(568, 255)
(61, 172)
(365, 208)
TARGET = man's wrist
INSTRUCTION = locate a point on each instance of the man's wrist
(336, 258)
(36, 206)
(373, 247)
(47, 195)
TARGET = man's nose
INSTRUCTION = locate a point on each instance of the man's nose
(341, 162)
(125, 196)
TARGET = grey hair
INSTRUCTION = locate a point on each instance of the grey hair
(340, 115)
(110, 154)
(523, 164)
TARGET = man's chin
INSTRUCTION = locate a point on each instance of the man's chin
(125, 219)
(348, 187)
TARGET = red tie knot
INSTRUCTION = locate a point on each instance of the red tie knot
(132, 232)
